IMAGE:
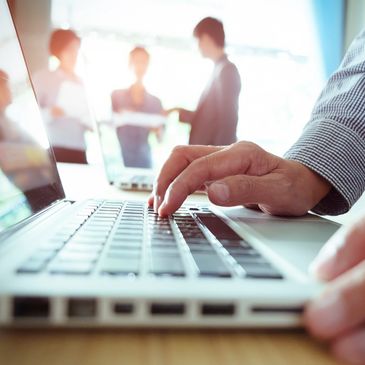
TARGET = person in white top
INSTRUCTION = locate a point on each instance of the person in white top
(62, 98)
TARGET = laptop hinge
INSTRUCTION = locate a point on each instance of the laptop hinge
(56, 206)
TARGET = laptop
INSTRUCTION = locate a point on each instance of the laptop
(115, 263)
(118, 174)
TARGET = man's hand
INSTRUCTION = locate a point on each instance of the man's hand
(240, 174)
(338, 315)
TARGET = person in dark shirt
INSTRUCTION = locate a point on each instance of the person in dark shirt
(214, 122)
(133, 139)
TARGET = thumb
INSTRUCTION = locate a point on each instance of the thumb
(240, 190)
(343, 251)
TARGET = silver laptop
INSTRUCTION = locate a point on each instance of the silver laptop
(116, 263)
(118, 174)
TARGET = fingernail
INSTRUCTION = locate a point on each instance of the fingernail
(326, 314)
(220, 191)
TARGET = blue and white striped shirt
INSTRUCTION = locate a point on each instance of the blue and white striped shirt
(333, 141)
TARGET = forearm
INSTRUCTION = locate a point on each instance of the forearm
(333, 142)
(336, 153)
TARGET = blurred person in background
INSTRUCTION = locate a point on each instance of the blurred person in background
(214, 122)
(62, 98)
(133, 139)
(25, 164)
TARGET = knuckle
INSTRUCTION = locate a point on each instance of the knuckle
(247, 145)
(199, 164)
(179, 150)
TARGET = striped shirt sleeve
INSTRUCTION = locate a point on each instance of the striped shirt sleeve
(333, 141)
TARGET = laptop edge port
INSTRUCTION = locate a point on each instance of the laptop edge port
(81, 308)
(31, 307)
(277, 310)
(123, 308)
(167, 309)
(218, 309)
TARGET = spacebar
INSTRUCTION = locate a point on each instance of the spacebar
(210, 265)
(166, 265)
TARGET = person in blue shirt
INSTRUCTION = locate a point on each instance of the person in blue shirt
(133, 139)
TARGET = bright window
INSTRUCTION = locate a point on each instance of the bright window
(272, 42)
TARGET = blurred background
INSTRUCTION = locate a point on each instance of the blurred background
(285, 50)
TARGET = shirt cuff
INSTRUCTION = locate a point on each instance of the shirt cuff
(337, 153)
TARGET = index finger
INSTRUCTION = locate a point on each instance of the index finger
(180, 158)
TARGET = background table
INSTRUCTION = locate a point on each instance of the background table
(155, 347)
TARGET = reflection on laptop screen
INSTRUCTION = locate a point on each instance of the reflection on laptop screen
(28, 177)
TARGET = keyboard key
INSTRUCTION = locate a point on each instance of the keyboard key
(246, 259)
(124, 254)
(210, 265)
(87, 241)
(235, 243)
(43, 255)
(261, 271)
(130, 232)
(120, 265)
(166, 266)
(218, 228)
(75, 247)
(97, 229)
(157, 251)
(53, 245)
(32, 267)
(137, 245)
(71, 268)
(202, 248)
(78, 256)
(197, 242)
(163, 243)
(91, 235)
(127, 238)
(61, 237)
(237, 252)
(129, 224)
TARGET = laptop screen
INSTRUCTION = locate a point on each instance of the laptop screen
(29, 181)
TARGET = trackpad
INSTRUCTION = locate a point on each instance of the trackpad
(298, 240)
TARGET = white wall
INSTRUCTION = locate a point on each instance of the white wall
(355, 19)
(33, 22)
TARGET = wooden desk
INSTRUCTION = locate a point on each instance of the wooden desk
(152, 347)
(157, 347)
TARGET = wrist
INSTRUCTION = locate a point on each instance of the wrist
(313, 186)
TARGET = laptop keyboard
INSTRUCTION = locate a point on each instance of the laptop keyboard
(129, 239)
